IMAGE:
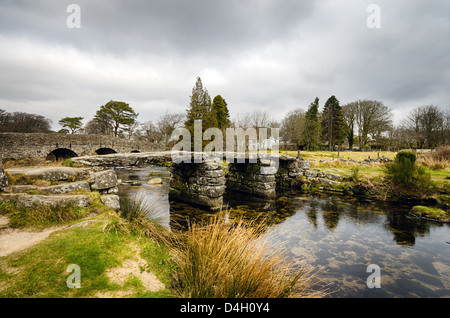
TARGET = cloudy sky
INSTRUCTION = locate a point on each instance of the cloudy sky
(274, 55)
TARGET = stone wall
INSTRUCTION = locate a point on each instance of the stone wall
(39, 145)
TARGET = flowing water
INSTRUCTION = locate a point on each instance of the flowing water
(341, 236)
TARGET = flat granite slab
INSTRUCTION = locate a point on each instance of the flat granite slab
(50, 173)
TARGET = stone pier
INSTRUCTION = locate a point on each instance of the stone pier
(289, 169)
(204, 183)
(201, 183)
(257, 179)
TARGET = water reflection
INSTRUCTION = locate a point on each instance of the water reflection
(331, 209)
(343, 236)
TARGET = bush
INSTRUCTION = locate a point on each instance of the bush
(407, 176)
(403, 169)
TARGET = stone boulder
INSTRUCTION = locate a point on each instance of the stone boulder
(53, 201)
(310, 174)
(334, 177)
(111, 201)
(304, 165)
(65, 188)
(155, 181)
(328, 182)
(22, 188)
(51, 173)
(103, 180)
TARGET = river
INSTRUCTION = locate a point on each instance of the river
(339, 236)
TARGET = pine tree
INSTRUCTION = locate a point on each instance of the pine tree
(333, 128)
(220, 108)
(114, 116)
(312, 125)
(200, 107)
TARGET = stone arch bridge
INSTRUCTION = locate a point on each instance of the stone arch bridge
(61, 146)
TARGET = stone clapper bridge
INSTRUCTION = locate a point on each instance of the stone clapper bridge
(200, 178)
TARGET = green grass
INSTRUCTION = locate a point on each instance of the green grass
(347, 155)
(41, 270)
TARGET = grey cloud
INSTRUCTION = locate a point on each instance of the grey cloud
(274, 55)
(173, 26)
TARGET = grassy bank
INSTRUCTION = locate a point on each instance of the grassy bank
(129, 254)
(435, 164)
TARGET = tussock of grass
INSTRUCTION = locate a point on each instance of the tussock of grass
(139, 216)
(229, 261)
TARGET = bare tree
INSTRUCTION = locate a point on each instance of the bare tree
(24, 122)
(149, 132)
(167, 123)
(350, 112)
(427, 125)
(292, 127)
(373, 118)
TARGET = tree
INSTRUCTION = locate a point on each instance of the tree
(373, 118)
(220, 108)
(350, 112)
(114, 116)
(333, 129)
(24, 122)
(292, 127)
(149, 132)
(200, 108)
(312, 125)
(93, 127)
(167, 123)
(71, 123)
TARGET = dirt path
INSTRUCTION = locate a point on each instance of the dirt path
(14, 240)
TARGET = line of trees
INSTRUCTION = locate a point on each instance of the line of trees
(361, 123)
(366, 124)
(21, 122)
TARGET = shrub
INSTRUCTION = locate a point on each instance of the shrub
(355, 174)
(407, 176)
(403, 169)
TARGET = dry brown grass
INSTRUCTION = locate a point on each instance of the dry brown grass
(229, 260)
(27, 162)
(438, 159)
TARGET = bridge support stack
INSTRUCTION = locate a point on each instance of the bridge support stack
(289, 169)
(257, 178)
(200, 184)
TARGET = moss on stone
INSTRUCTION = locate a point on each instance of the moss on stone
(432, 213)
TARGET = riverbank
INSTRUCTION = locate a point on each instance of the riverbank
(363, 175)
(120, 252)
(117, 261)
